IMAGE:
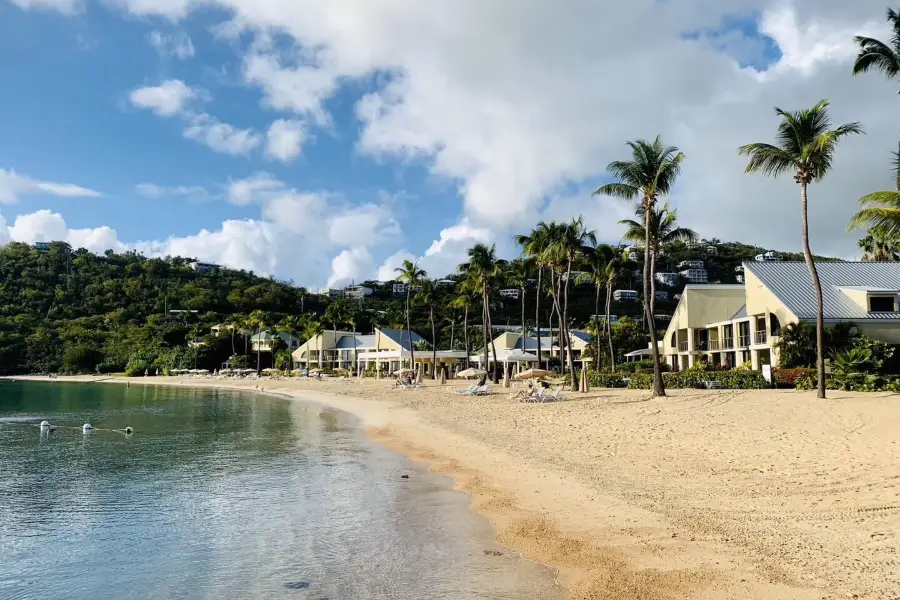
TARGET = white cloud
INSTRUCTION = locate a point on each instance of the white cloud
(252, 189)
(351, 265)
(221, 137)
(284, 139)
(47, 226)
(13, 186)
(364, 225)
(177, 45)
(152, 190)
(387, 270)
(301, 89)
(67, 7)
(167, 99)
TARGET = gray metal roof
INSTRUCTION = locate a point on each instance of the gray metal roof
(362, 341)
(790, 282)
(740, 314)
(401, 337)
(531, 343)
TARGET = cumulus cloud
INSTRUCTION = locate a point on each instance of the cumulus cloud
(167, 99)
(67, 7)
(221, 137)
(284, 139)
(351, 265)
(176, 45)
(13, 186)
(152, 190)
(48, 226)
(388, 269)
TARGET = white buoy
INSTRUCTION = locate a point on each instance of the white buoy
(129, 430)
(87, 428)
(45, 424)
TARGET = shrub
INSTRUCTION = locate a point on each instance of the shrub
(736, 379)
(805, 382)
(640, 366)
(606, 380)
(136, 367)
(81, 359)
(788, 377)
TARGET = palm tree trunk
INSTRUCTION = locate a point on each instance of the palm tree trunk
(817, 287)
(597, 330)
(658, 387)
(258, 346)
(412, 351)
(612, 354)
(355, 369)
(537, 314)
(569, 355)
(484, 327)
(233, 351)
(490, 328)
(653, 289)
(466, 334)
(524, 345)
(433, 346)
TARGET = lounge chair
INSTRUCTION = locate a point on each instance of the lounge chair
(555, 395)
(468, 391)
(484, 390)
(535, 395)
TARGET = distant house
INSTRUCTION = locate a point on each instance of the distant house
(669, 279)
(739, 278)
(264, 341)
(511, 344)
(331, 293)
(661, 295)
(357, 292)
(398, 289)
(446, 283)
(695, 275)
(632, 253)
(621, 295)
(511, 293)
(204, 267)
(766, 257)
(41, 246)
(691, 264)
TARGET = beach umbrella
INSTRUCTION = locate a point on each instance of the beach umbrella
(223, 371)
(270, 370)
(248, 370)
(467, 373)
(533, 374)
(202, 371)
(403, 371)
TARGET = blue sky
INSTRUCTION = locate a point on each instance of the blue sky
(327, 140)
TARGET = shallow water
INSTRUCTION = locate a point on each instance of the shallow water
(227, 495)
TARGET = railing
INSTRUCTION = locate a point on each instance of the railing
(728, 344)
(713, 345)
(682, 346)
(759, 337)
(744, 341)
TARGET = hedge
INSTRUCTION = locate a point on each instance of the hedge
(736, 379)
(788, 377)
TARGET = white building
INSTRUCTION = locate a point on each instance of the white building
(669, 279)
(331, 293)
(620, 295)
(661, 295)
(357, 291)
(204, 267)
(766, 257)
(510, 293)
(691, 264)
(632, 252)
(446, 283)
(398, 289)
(695, 275)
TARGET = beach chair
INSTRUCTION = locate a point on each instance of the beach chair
(555, 395)
(484, 390)
(468, 390)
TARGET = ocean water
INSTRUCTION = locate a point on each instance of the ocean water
(221, 495)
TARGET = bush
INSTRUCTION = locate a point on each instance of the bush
(136, 367)
(606, 380)
(735, 379)
(805, 382)
(789, 377)
(81, 359)
(640, 366)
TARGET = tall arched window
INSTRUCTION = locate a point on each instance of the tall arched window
(774, 324)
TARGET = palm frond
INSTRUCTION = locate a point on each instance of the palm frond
(875, 55)
(617, 190)
(767, 159)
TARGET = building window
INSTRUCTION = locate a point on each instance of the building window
(774, 324)
(674, 343)
(881, 304)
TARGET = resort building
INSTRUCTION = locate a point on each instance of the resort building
(357, 292)
(205, 267)
(735, 324)
(766, 257)
(620, 295)
(695, 275)
(384, 350)
(669, 279)
(691, 264)
(512, 293)
(264, 341)
(661, 295)
(632, 253)
(510, 345)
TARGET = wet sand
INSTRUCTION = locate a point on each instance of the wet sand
(706, 494)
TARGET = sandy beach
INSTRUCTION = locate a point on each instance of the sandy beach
(703, 495)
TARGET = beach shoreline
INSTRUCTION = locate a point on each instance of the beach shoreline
(719, 494)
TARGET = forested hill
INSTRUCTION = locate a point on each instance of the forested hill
(67, 309)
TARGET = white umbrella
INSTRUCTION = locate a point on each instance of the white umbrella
(403, 371)
(533, 374)
(223, 371)
(248, 370)
(521, 357)
(270, 370)
(465, 374)
(202, 371)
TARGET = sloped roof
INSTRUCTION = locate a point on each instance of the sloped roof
(791, 284)
(531, 343)
(740, 314)
(362, 341)
(401, 337)
(265, 336)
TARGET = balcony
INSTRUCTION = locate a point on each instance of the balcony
(682, 346)
(744, 341)
(759, 337)
(713, 345)
(728, 344)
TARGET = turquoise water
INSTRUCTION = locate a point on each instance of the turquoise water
(227, 495)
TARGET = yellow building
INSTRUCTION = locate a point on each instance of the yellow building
(511, 342)
(734, 324)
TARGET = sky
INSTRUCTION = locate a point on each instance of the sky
(326, 141)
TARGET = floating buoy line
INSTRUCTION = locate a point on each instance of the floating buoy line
(86, 429)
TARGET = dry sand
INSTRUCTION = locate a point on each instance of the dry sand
(703, 495)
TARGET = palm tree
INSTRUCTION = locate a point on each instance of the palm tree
(517, 274)
(594, 264)
(334, 314)
(533, 247)
(482, 271)
(464, 301)
(805, 145)
(410, 274)
(881, 210)
(312, 328)
(428, 296)
(258, 319)
(664, 231)
(650, 174)
(289, 325)
(878, 56)
(352, 318)
(613, 269)
(880, 246)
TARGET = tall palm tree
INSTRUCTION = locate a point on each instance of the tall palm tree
(533, 246)
(613, 269)
(594, 264)
(649, 175)
(334, 314)
(875, 55)
(664, 231)
(881, 210)
(428, 296)
(464, 302)
(517, 275)
(312, 328)
(805, 145)
(410, 274)
(484, 270)
(290, 325)
(258, 319)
